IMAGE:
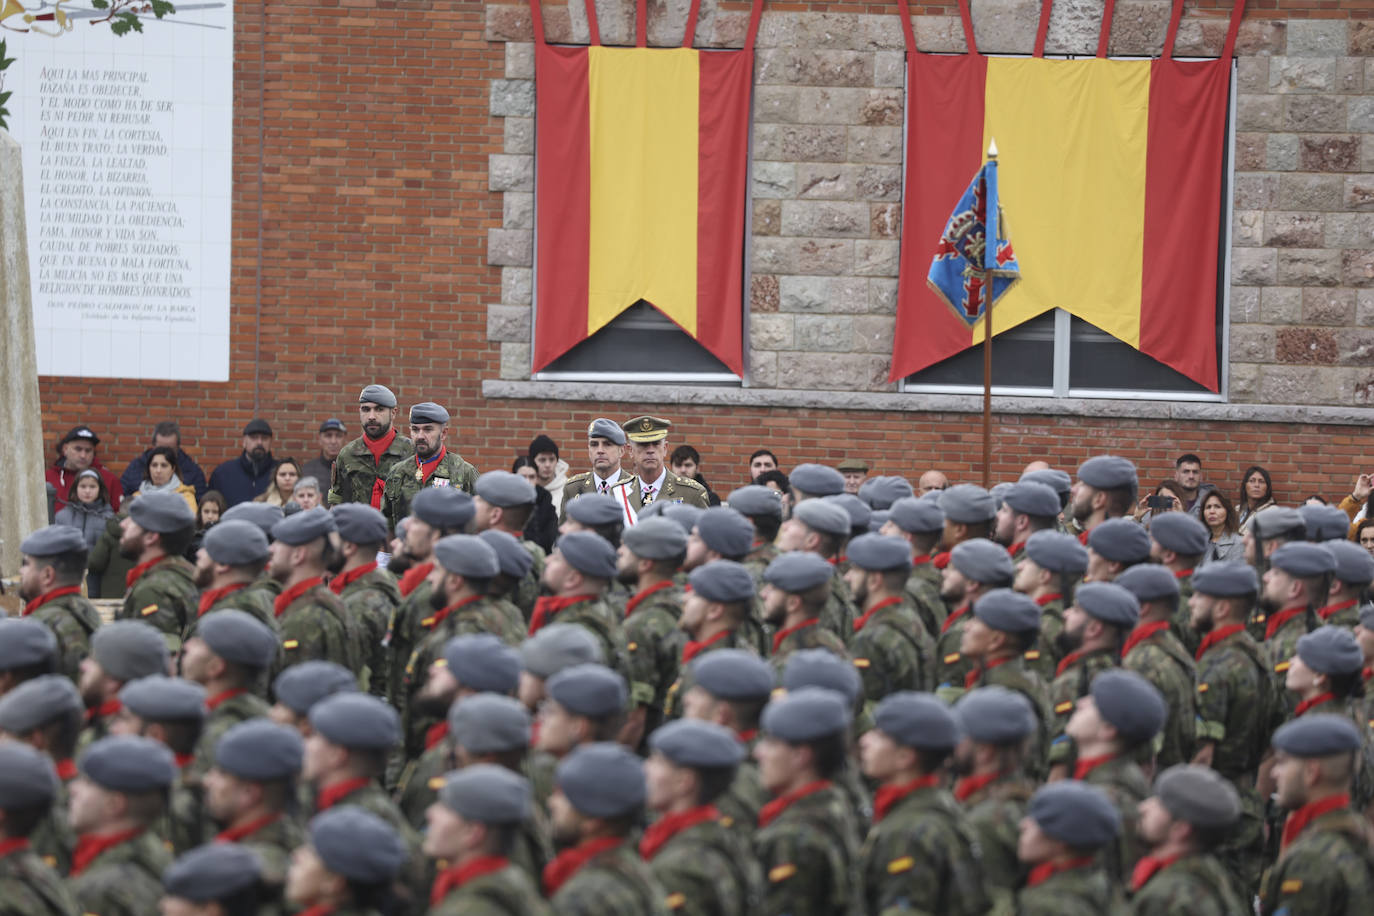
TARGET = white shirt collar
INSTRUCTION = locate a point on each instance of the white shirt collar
(657, 484)
(607, 481)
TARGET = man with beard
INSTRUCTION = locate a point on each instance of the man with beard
(723, 533)
(921, 524)
(1049, 568)
(504, 502)
(360, 470)
(796, 589)
(649, 556)
(1106, 488)
(1154, 652)
(122, 651)
(53, 561)
(649, 453)
(1114, 547)
(313, 621)
(368, 591)
(821, 527)
(970, 512)
(605, 448)
(1095, 627)
(246, 477)
(228, 658)
(577, 575)
(46, 713)
(892, 650)
(1027, 507)
(231, 558)
(162, 591)
(1296, 585)
(995, 637)
(432, 465)
(975, 568)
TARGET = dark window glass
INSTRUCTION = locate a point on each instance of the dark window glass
(1022, 357)
(1098, 360)
(639, 339)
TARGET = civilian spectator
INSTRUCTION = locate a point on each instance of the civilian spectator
(76, 453)
(1256, 493)
(525, 468)
(931, 481)
(283, 486)
(246, 477)
(107, 567)
(1356, 505)
(1169, 490)
(307, 493)
(855, 471)
(1188, 476)
(550, 471)
(1364, 534)
(1315, 500)
(542, 527)
(1220, 518)
(321, 467)
(160, 476)
(777, 480)
(761, 462)
(207, 516)
(167, 433)
(88, 506)
(686, 462)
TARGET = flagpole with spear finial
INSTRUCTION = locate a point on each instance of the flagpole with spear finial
(989, 261)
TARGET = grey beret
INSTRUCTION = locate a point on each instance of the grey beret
(1130, 704)
(879, 553)
(726, 531)
(734, 674)
(588, 553)
(357, 844)
(264, 515)
(27, 777)
(816, 480)
(25, 642)
(917, 720)
(808, 714)
(558, 646)
(1075, 813)
(918, 516)
(127, 650)
(126, 763)
(999, 493)
(1149, 581)
(259, 750)
(504, 489)
(656, 539)
(882, 491)
(967, 504)
(467, 555)
(487, 794)
(379, 395)
(679, 513)
(995, 715)
(722, 580)
(1331, 650)
(1008, 611)
(1031, 498)
(301, 686)
(52, 541)
(304, 527)
(1057, 552)
(824, 516)
(38, 701)
(515, 560)
(860, 515)
(591, 690)
(448, 508)
(164, 513)
(798, 571)
(239, 637)
(1109, 472)
(236, 542)
(428, 412)
(594, 509)
(602, 780)
(606, 429)
(1058, 481)
(1109, 603)
(1198, 795)
(483, 662)
(359, 523)
(1180, 532)
(822, 668)
(1120, 540)
(158, 698)
(1226, 580)
(1302, 559)
(489, 723)
(754, 500)
(878, 519)
(357, 721)
(1318, 735)
(215, 871)
(983, 561)
(694, 743)
(1367, 616)
(1324, 522)
(1278, 521)
(1354, 565)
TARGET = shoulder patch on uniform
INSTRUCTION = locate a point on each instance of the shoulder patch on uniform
(1032, 655)
(50, 861)
(1202, 688)
(290, 643)
(861, 663)
(582, 476)
(427, 622)
(675, 901)
(781, 873)
(439, 663)
(951, 658)
(1064, 706)
(727, 821)
(897, 866)
(631, 646)
(1291, 886)
(148, 611)
(1281, 667)
(436, 783)
(1259, 618)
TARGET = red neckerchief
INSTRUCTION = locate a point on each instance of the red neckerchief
(66, 769)
(886, 602)
(657, 835)
(638, 597)
(343, 580)
(694, 648)
(137, 572)
(1083, 538)
(319, 909)
(1046, 599)
(283, 601)
(104, 710)
(224, 696)
(887, 796)
(748, 735)
(1068, 660)
(436, 733)
(549, 605)
(432, 462)
(960, 611)
(940, 560)
(183, 760)
(439, 616)
(66, 590)
(1086, 765)
(1042, 873)
(1216, 636)
(769, 812)
(451, 879)
(923, 558)
(1297, 821)
(1141, 633)
(1147, 868)
(1317, 700)
(1276, 621)
(89, 847)
(969, 785)
(9, 847)
(330, 796)
(1019, 545)
(377, 447)
(978, 671)
(234, 834)
(557, 872)
(1182, 574)
(414, 576)
(1331, 610)
(212, 597)
(779, 636)
(1366, 673)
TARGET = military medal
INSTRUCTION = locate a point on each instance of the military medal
(419, 475)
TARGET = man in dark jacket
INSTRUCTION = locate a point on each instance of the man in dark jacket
(243, 478)
(166, 434)
(76, 453)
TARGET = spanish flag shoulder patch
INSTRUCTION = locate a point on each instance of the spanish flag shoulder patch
(1063, 707)
(1032, 655)
(148, 611)
(427, 622)
(290, 643)
(861, 663)
(897, 866)
(1202, 688)
(1291, 886)
(781, 873)
(951, 658)
(675, 901)
(631, 647)
(436, 783)
(1281, 667)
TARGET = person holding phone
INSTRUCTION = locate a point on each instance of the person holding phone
(1357, 504)
(1167, 497)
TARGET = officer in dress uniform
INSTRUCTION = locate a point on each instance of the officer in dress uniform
(648, 438)
(605, 448)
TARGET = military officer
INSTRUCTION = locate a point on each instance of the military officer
(921, 524)
(1114, 546)
(649, 556)
(360, 471)
(1066, 825)
(313, 621)
(52, 564)
(1153, 651)
(28, 649)
(605, 449)
(162, 591)
(122, 651)
(1106, 488)
(891, 648)
(648, 438)
(297, 691)
(1050, 567)
(368, 592)
(1027, 507)
(432, 465)
(172, 712)
(797, 587)
(219, 875)
(814, 481)
(975, 567)
(504, 502)
(28, 788)
(350, 857)
(231, 558)
(1353, 573)
(46, 714)
(821, 527)
(229, 657)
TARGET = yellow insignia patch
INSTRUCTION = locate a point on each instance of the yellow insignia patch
(1259, 619)
(436, 783)
(781, 873)
(1281, 667)
(779, 692)
(50, 861)
(897, 866)
(1201, 688)
(427, 622)
(951, 658)
(149, 610)
(675, 901)
(861, 663)
(1291, 886)
(632, 646)
(1064, 707)
(290, 644)
(1033, 655)
(440, 663)
(727, 821)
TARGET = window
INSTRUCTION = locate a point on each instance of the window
(639, 344)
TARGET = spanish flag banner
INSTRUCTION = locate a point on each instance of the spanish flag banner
(1113, 170)
(641, 160)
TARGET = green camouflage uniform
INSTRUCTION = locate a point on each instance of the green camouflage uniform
(811, 635)
(1073, 892)
(924, 595)
(72, 620)
(124, 880)
(401, 633)
(527, 590)
(1362, 791)
(839, 613)
(707, 870)
(1182, 623)
(274, 844)
(224, 715)
(598, 618)
(1125, 784)
(951, 667)
(1016, 674)
(250, 600)
(420, 782)
(654, 644)
(318, 626)
(614, 883)
(892, 651)
(54, 839)
(1065, 691)
(994, 814)
(401, 484)
(506, 892)
(1161, 659)
(739, 805)
(355, 472)
(1281, 647)
(28, 887)
(809, 855)
(415, 874)
(1196, 885)
(164, 597)
(578, 484)
(1327, 871)
(757, 559)
(183, 826)
(1046, 644)
(672, 700)
(371, 599)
